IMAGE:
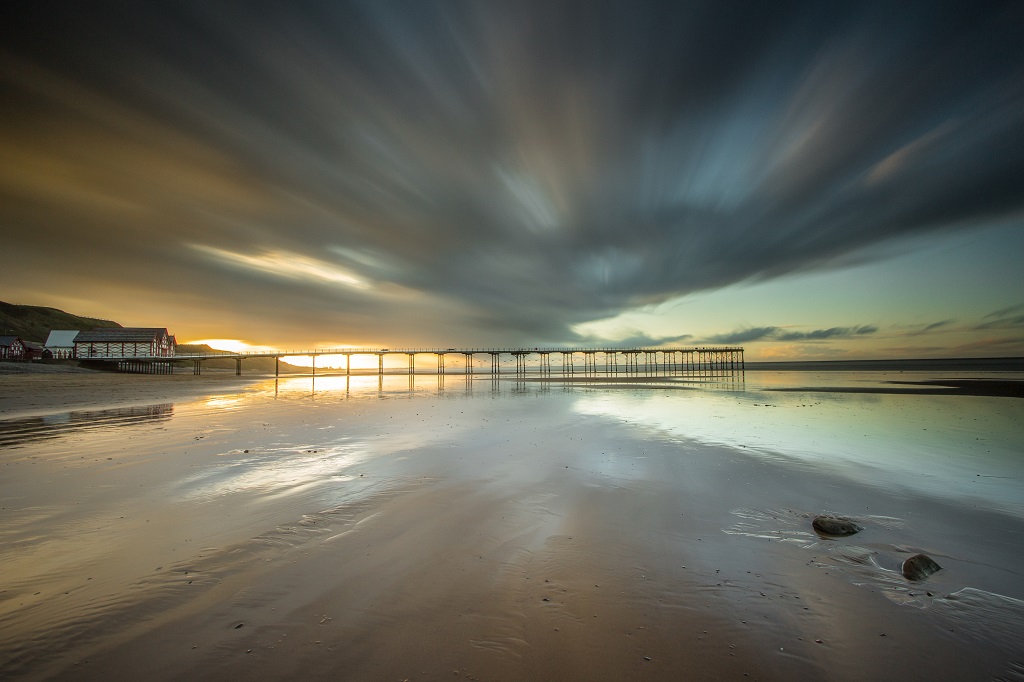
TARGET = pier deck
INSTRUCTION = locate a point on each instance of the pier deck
(696, 360)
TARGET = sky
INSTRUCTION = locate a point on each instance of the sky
(805, 179)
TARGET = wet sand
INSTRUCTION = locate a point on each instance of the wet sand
(35, 390)
(455, 532)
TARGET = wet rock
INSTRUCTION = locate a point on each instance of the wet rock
(919, 567)
(839, 526)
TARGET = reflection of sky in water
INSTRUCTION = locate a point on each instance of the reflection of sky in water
(114, 493)
(956, 447)
(952, 446)
(223, 402)
(273, 471)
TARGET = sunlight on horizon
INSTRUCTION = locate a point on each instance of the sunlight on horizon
(231, 345)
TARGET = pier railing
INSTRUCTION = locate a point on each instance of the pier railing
(704, 361)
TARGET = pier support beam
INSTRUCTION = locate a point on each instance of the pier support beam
(520, 362)
(238, 367)
(545, 364)
(631, 361)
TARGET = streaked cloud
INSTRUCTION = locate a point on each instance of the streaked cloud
(1005, 312)
(634, 339)
(936, 325)
(288, 265)
(779, 334)
(744, 335)
(515, 169)
(830, 333)
(1003, 323)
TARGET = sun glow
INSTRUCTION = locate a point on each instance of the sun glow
(231, 345)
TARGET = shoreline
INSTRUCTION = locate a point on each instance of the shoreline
(37, 393)
(990, 388)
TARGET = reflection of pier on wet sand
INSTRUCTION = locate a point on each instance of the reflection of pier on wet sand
(27, 429)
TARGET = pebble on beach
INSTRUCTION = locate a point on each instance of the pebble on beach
(919, 567)
(838, 526)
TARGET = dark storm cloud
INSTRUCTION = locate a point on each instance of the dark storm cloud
(831, 333)
(744, 335)
(1004, 312)
(936, 325)
(1003, 323)
(635, 340)
(482, 170)
(777, 334)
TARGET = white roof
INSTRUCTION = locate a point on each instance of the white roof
(61, 338)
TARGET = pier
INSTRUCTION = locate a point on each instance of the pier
(696, 361)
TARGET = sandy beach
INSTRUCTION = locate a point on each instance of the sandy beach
(43, 390)
(210, 527)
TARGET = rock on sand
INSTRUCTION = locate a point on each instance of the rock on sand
(839, 526)
(919, 567)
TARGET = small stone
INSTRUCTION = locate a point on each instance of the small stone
(919, 567)
(838, 526)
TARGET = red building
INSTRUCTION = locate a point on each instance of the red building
(11, 348)
(124, 342)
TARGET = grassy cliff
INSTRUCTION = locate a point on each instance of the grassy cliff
(33, 323)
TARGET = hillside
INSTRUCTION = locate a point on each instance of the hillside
(251, 365)
(33, 323)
